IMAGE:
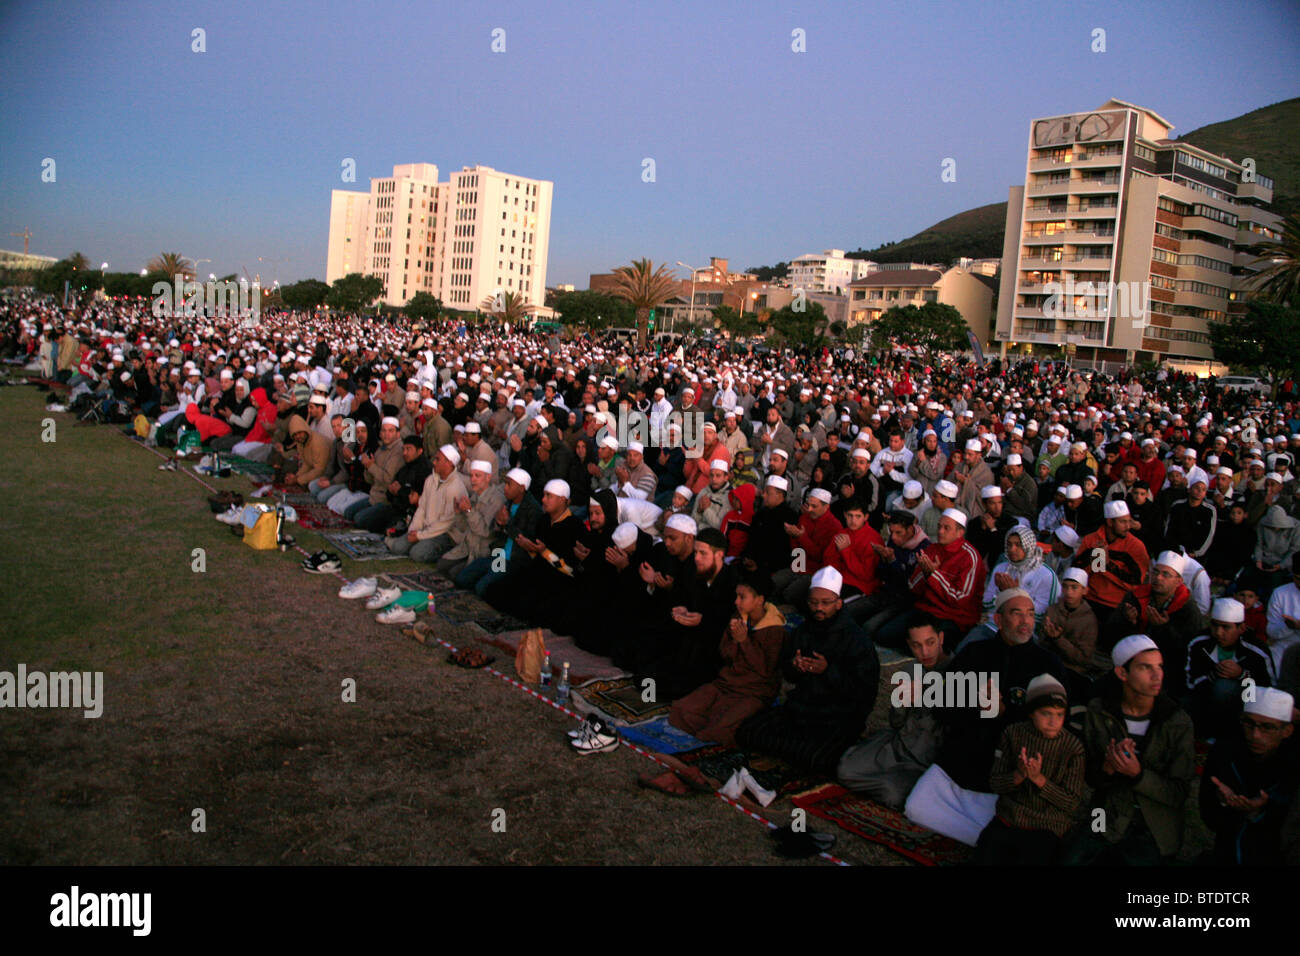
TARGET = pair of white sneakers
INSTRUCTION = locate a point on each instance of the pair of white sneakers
(743, 780)
(379, 599)
(232, 516)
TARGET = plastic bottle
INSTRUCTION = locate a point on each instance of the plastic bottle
(562, 688)
(546, 670)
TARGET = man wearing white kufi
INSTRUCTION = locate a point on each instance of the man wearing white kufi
(835, 672)
(1249, 783)
(546, 584)
(1218, 664)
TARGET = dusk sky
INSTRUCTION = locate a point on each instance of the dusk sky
(761, 153)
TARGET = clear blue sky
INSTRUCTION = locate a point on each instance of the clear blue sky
(761, 153)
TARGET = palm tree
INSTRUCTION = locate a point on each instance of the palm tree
(507, 307)
(1279, 280)
(644, 286)
(171, 264)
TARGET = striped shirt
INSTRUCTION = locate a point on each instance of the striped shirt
(1024, 805)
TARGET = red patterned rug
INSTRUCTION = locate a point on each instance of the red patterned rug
(879, 824)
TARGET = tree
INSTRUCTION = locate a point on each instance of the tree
(1279, 280)
(307, 294)
(933, 327)
(594, 310)
(424, 306)
(768, 273)
(802, 327)
(1265, 339)
(170, 264)
(735, 324)
(354, 292)
(507, 307)
(644, 286)
(79, 261)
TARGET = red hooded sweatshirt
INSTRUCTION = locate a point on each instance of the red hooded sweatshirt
(264, 425)
(856, 563)
(736, 522)
(955, 591)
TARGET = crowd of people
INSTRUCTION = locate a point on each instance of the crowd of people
(1117, 558)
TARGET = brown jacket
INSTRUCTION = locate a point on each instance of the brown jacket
(313, 454)
(380, 474)
(751, 667)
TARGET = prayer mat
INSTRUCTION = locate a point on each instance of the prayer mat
(879, 824)
(430, 581)
(318, 517)
(246, 466)
(466, 607)
(360, 545)
(662, 737)
(619, 699)
(720, 762)
(583, 667)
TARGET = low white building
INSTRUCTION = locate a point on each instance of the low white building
(830, 271)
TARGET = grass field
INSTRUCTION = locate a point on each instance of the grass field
(223, 692)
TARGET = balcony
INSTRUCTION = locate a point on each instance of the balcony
(1060, 188)
(1194, 223)
(1092, 210)
(1256, 190)
(1037, 214)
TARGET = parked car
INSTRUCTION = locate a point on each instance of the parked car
(1243, 383)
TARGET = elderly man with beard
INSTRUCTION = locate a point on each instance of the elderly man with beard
(887, 764)
(635, 479)
(1162, 609)
(476, 449)
(714, 500)
(952, 796)
(1020, 491)
(476, 537)
(860, 485)
(835, 672)
(1140, 762)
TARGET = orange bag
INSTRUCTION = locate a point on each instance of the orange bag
(529, 657)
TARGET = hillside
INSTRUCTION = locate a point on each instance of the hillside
(976, 233)
(1266, 135)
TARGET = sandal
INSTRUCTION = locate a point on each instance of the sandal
(693, 778)
(667, 783)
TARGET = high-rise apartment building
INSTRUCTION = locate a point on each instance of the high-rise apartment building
(1124, 245)
(463, 241)
(831, 271)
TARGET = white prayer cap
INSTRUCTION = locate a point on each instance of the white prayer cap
(225, 372)
(625, 535)
(1126, 436)
(450, 453)
(719, 464)
(1172, 560)
(991, 491)
(683, 523)
(1053, 439)
(828, 579)
(558, 487)
(1115, 509)
(1228, 611)
(390, 420)
(1073, 491)
(1077, 575)
(1068, 536)
(473, 428)
(913, 489)
(684, 491)
(125, 376)
(519, 403)
(1148, 441)
(478, 464)
(974, 445)
(609, 441)
(947, 488)
(1271, 703)
(1196, 475)
(1131, 647)
(1224, 471)
(955, 514)
(541, 421)
(934, 406)
(709, 425)
(782, 452)
(519, 476)
(777, 481)
(1014, 459)
(636, 446)
(1273, 476)
(821, 494)
(861, 453)
(1007, 594)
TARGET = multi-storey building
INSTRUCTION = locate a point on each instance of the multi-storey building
(481, 233)
(1124, 245)
(831, 271)
(969, 292)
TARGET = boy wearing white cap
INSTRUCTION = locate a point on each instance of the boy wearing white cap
(1218, 665)
(1070, 629)
(1140, 763)
(1249, 782)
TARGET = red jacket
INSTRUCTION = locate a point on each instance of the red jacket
(817, 537)
(1115, 568)
(955, 591)
(1152, 472)
(856, 563)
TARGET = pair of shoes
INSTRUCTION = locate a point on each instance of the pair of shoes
(168, 465)
(419, 631)
(595, 736)
(741, 781)
(797, 845)
(677, 783)
(263, 491)
(383, 597)
(322, 562)
(56, 407)
(232, 516)
(360, 588)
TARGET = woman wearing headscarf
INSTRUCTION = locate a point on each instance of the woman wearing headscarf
(929, 463)
(587, 618)
(736, 522)
(1022, 567)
